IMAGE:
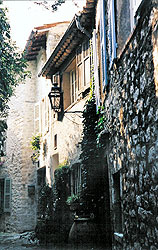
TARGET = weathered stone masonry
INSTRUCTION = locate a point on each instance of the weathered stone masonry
(132, 115)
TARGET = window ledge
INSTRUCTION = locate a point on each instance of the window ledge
(118, 237)
(81, 95)
(71, 105)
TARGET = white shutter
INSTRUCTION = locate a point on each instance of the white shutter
(103, 43)
(96, 77)
(7, 195)
(46, 113)
(42, 116)
(37, 118)
(112, 33)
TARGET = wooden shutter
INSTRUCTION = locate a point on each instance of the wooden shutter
(103, 43)
(7, 195)
(96, 77)
(112, 33)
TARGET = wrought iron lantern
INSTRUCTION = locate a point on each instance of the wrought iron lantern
(55, 97)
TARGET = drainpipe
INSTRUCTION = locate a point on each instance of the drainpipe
(82, 29)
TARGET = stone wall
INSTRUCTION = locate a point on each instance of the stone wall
(132, 121)
(54, 35)
(18, 165)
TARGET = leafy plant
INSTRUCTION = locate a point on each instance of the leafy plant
(35, 145)
(63, 164)
(35, 142)
(72, 199)
(102, 119)
(54, 222)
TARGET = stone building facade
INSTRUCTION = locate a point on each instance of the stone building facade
(131, 124)
(31, 115)
(18, 176)
(18, 167)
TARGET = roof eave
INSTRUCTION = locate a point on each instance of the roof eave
(60, 54)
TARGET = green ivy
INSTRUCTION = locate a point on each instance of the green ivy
(102, 119)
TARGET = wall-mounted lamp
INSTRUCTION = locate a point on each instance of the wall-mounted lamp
(55, 98)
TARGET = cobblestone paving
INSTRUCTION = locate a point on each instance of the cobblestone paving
(67, 247)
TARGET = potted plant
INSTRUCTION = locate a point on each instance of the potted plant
(73, 201)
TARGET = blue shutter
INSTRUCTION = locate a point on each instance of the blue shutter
(103, 43)
(7, 195)
(96, 77)
(112, 33)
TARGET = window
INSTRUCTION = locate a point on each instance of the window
(117, 203)
(76, 178)
(103, 43)
(76, 77)
(134, 4)
(46, 110)
(96, 75)
(41, 176)
(83, 66)
(86, 62)
(112, 32)
(5, 195)
(55, 141)
(73, 85)
(41, 116)
(36, 118)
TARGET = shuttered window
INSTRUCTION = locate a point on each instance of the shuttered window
(7, 195)
(36, 118)
(1, 196)
(73, 86)
(87, 71)
(83, 66)
(76, 178)
(112, 33)
(103, 43)
(46, 110)
(43, 117)
(96, 76)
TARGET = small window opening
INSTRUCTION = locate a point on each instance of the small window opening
(55, 141)
(117, 203)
